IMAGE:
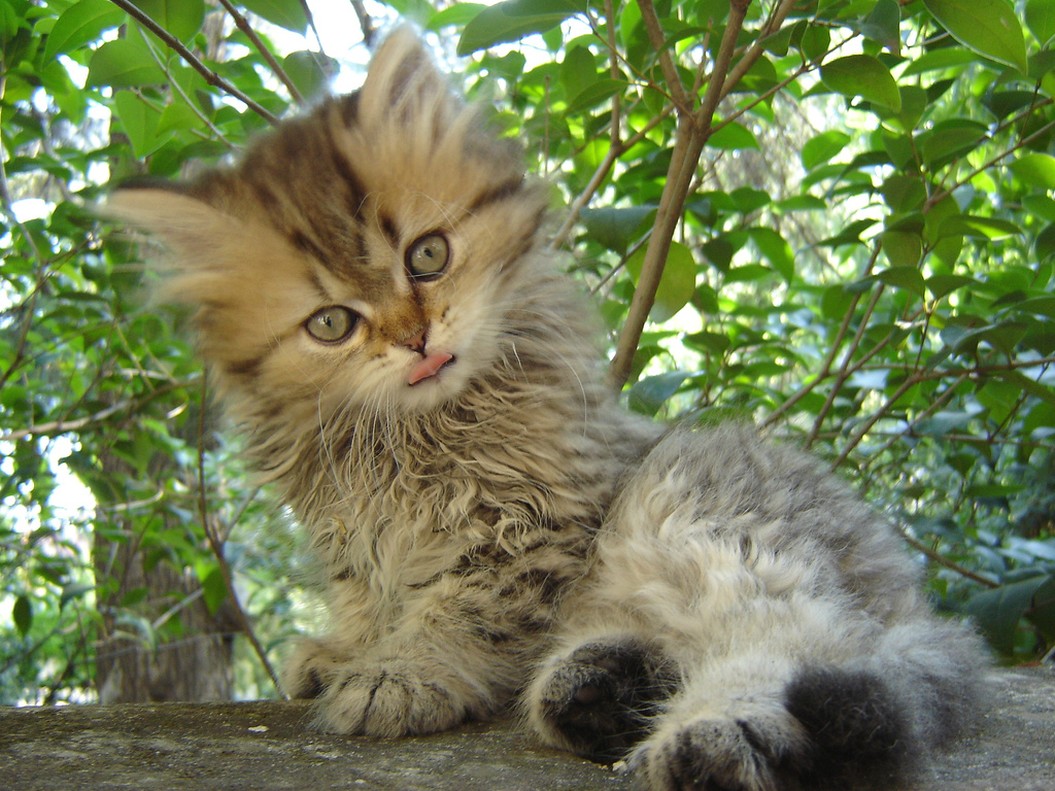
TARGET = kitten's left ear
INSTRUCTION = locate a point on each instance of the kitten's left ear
(403, 84)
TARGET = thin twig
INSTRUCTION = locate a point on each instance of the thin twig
(658, 39)
(211, 77)
(216, 544)
(243, 24)
(844, 371)
(213, 132)
(941, 560)
(1025, 141)
(600, 175)
(826, 366)
(366, 23)
(755, 51)
(311, 23)
(874, 418)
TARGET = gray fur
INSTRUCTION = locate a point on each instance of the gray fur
(715, 609)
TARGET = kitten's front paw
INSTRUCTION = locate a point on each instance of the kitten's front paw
(600, 700)
(393, 698)
(311, 669)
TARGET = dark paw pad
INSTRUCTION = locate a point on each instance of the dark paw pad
(603, 697)
(855, 727)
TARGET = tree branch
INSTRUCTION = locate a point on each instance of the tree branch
(693, 131)
(211, 77)
(272, 63)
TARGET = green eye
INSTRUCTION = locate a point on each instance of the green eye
(332, 325)
(428, 256)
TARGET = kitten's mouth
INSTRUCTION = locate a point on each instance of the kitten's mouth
(429, 366)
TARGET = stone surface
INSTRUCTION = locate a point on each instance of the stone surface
(269, 746)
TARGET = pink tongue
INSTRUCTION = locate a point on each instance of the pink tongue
(428, 367)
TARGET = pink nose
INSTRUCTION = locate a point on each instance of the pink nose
(416, 342)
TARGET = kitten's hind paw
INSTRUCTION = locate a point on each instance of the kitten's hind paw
(711, 755)
(600, 700)
(834, 730)
(855, 727)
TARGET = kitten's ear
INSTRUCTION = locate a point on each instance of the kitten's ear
(404, 85)
(196, 236)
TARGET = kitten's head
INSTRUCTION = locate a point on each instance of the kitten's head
(361, 258)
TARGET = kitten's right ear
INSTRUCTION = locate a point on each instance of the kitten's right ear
(166, 211)
(195, 234)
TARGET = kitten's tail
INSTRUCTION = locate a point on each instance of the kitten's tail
(881, 714)
(935, 670)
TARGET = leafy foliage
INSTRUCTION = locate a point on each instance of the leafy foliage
(834, 217)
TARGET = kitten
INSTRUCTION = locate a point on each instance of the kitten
(379, 314)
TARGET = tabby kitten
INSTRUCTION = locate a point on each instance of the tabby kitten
(374, 299)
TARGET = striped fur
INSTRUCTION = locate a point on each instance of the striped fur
(489, 521)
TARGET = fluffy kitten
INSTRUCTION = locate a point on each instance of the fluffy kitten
(380, 315)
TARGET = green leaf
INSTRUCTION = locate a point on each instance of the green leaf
(124, 63)
(977, 227)
(595, 94)
(882, 25)
(182, 18)
(80, 24)
(615, 228)
(708, 342)
(1044, 244)
(284, 13)
(775, 250)
(1035, 169)
(864, 76)
(820, 150)
(311, 72)
(902, 248)
(943, 285)
(907, 278)
(139, 121)
(988, 27)
(457, 15)
(578, 71)
(952, 138)
(998, 611)
(677, 284)
(214, 589)
(74, 591)
(1001, 335)
(733, 137)
(22, 613)
(939, 60)
(1040, 17)
(648, 395)
(512, 20)
(748, 199)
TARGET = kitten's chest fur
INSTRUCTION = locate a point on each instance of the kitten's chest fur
(395, 506)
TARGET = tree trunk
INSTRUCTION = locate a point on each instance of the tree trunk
(140, 590)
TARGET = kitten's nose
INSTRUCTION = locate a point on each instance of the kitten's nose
(416, 342)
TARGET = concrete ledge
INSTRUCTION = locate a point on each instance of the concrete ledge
(268, 746)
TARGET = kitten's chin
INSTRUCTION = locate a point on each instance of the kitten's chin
(444, 381)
